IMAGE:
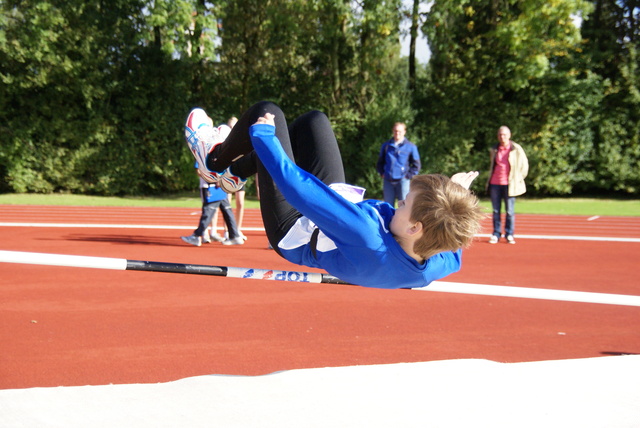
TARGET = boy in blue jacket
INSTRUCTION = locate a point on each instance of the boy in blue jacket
(213, 198)
(313, 219)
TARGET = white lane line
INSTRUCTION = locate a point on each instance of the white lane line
(570, 238)
(111, 226)
(173, 227)
(595, 217)
(532, 293)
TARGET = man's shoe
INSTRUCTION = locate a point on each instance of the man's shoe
(202, 137)
(510, 239)
(493, 239)
(235, 241)
(193, 240)
(230, 183)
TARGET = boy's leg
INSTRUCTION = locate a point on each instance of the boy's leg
(238, 144)
(314, 148)
(208, 210)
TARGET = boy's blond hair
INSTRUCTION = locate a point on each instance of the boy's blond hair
(449, 213)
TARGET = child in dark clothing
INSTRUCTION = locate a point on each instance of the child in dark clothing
(213, 198)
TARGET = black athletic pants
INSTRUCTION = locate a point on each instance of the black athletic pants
(309, 141)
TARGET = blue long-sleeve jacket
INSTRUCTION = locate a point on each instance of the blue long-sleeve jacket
(398, 161)
(354, 243)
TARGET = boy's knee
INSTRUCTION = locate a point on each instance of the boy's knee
(313, 120)
(316, 116)
(263, 107)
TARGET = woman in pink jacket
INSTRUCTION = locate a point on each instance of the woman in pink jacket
(509, 168)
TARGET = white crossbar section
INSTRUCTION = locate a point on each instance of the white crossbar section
(533, 293)
(62, 260)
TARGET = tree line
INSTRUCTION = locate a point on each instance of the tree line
(94, 94)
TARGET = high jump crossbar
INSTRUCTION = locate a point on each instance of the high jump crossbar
(307, 277)
(149, 266)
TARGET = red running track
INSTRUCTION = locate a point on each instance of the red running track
(64, 326)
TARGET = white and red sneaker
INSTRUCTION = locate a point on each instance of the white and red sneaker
(229, 182)
(202, 137)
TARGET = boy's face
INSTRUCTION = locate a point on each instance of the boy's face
(401, 220)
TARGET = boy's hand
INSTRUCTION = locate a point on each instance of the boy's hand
(268, 119)
(465, 178)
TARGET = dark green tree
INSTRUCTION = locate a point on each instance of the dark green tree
(58, 62)
(612, 34)
(492, 64)
(92, 101)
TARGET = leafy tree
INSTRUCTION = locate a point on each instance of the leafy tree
(491, 65)
(326, 55)
(57, 73)
(611, 37)
(94, 94)
(101, 101)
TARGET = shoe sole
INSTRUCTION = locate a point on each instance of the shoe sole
(230, 183)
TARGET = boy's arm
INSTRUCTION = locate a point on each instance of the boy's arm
(338, 218)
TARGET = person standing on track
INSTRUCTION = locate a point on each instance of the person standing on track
(509, 167)
(398, 162)
(213, 198)
(313, 219)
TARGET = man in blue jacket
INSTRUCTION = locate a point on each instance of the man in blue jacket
(397, 163)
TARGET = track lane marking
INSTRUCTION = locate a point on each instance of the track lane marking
(532, 293)
(569, 238)
(112, 226)
(261, 229)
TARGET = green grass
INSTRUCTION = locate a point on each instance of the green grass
(578, 206)
(181, 200)
(524, 205)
